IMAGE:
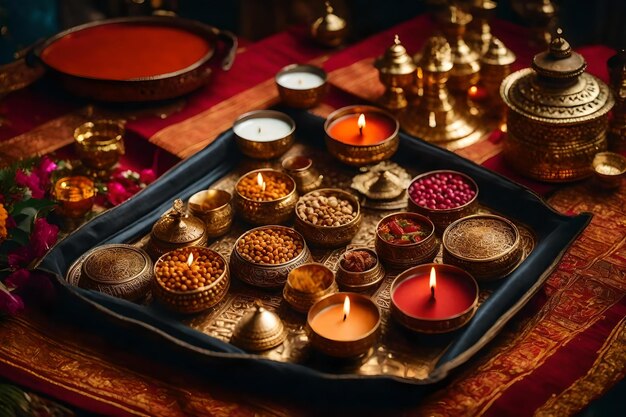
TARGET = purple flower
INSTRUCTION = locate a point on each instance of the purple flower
(18, 279)
(30, 181)
(42, 238)
(20, 257)
(147, 176)
(9, 303)
(44, 170)
(117, 193)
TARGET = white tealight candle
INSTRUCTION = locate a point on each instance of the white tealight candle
(300, 80)
(262, 129)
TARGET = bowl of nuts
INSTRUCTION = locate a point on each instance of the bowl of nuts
(264, 256)
(190, 279)
(307, 284)
(265, 196)
(406, 239)
(328, 217)
(359, 270)
(443, 196)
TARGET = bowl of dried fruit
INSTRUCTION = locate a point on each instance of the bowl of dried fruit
(190, 279)
(406, 239)
(264, 256)
(307, 284)
(328, 217)
(359, 269)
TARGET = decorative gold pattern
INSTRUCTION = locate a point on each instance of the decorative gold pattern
(480, 238)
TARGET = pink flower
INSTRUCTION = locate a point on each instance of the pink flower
(147, 176)
(44, 170)
(20, 257)
(42, 238)
(117, 194)
(9, 303)
(17, 279)
(30, 181)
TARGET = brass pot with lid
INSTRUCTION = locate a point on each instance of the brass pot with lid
(558, 115)
(397, 72)
(176, 229)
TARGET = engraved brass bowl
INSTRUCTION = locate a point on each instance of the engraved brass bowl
(330, 236)
(360, 281)
(195, 300)
(302, 98)
(214, 208)
(609, 169)
(442, 218)
(301, 297)
(301, 169)
(264, 149)
(100, 143)
(400, 257)
(485, 245)
(267, 275)
(356, 155)
(266, 212)
(119, 270)
(75, 196)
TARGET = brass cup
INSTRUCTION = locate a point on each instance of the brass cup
(428, 325)
(267, 275)
(330, 236)
(301, 298)
(100, 143)
(301, 169)
(302, 98)
(442, 218)
(360, 281)
(196, 300)
(75, 196)
(215, 209)
(609, 169)
(361, 155)
(343, 348)
(399, 257)
(267, 149)
(266, 212)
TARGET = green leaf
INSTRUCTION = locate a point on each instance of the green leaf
(19, 236)
(29, 204)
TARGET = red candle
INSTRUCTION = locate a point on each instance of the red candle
(477, 93)
(372, 128)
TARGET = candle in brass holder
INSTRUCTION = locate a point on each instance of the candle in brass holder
(75, 196)
(264, 134)
(609, 169)
(99, 144)
(466, 65)
(437, 117)
(558, 116)
(478, 30)
(258, 330)
(214, 207)
(301, 169)
(495, 66)
(301, 86)
(617, 128)
(397, 72)
(329, 30)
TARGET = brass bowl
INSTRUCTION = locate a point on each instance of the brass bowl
(609, 169)
(360, 281)
(267, 275)
(302, 98)
(100, 143)
(330, 236)
(485, 245)
(75, 196)
(265, 149)
(429, 325)
(399, 257)
(301, 297)
(361, 155)
(442, 218)
(119, 270)
(195, 300)
(215, 209)
(301, 169)
(266, 212)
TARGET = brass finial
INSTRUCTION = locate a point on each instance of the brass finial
(559, 47)
(437, 55)
(329, 8)
(396, 39)
(498, 53)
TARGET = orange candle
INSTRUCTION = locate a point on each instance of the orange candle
(345, 321)
(373, 128)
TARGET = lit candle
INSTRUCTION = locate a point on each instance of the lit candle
(299, 80)
(476, 93)
(260, 181)
(362, 129)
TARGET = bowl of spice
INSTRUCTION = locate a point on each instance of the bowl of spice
(359, 269)
(190, 279)
(443, 196)
(328, 217)
(307, 284)
(264, 256)
(265, 196)
(406, 239)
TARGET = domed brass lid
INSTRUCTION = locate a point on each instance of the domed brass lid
(559, 61)
(497, 54)
(178, 228)
(436, 55)
(453, 15)
(395, 60)
(258, 330)
(330, 22)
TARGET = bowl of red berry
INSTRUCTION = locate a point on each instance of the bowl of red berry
(406, 239)
(443, 196)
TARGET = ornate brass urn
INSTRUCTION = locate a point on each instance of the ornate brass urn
(397, 72)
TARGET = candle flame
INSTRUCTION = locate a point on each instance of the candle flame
(361, 121)
(346, 308)
(433, 282)
(190, 259)
(473, 90)
(260, 181)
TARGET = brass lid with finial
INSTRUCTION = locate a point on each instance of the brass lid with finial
(258, 330)
(329, 29)
(436, 55)
(498, 53)
(559, 61)
(176, 229)
(395, 60)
